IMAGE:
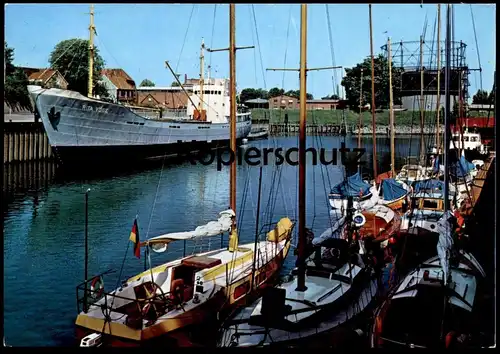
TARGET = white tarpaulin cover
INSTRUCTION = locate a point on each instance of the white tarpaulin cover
(445, 243)
(213, 228)
(332, 232)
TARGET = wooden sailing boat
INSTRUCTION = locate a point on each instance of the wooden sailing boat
(378, 201)
(155, 306)
(326, 290)
(434, 305)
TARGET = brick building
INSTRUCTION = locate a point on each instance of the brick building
(325, 104)
(283, 102)
(288, 102)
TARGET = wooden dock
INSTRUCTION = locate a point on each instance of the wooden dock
(477, 187)
(25, 141)
(484, 173)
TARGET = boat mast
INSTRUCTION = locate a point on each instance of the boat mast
(422, 143)
(233, 238)
(447, 110)
(373, 97)
(232, 123)
(91, 52)
(360, 108)
(301, 280)
(302, 241)
(391, 108)
(202, 79)
(438, 75)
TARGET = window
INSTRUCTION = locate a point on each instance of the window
(430, 204)
(241, 290)
(290, 101)
(474, 139)
(219, 92)
(275, 100)
(466, 138)
(283, 101)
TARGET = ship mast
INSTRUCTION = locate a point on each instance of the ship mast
(447, 110)
(391, 108)
(373, 97)
(422, 143)
(233, 238)
(438, 75)
(301, 280)
(91, 52)
(303, 69)
(360, 108)
(202, 78)
(232, 115)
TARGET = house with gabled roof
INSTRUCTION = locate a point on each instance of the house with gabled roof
(48, 78)
(120, 86)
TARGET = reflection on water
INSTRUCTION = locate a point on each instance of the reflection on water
(44, 223)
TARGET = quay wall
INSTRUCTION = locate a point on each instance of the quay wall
(25, 142)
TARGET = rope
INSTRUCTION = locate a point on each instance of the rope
(258, 46)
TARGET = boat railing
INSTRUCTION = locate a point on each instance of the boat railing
(88, 295)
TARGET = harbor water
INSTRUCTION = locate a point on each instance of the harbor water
(44, 223)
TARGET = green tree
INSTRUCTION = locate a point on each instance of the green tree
(71, 58)
(174, 84)
(491, 97)
(296, 94)
(147, 83)
(251, 93)
(481, 97)
(15, 91)
(352, 80)
(275, 92)
(331, 97)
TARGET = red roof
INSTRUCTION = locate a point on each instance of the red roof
(44, 75)
(119, 78)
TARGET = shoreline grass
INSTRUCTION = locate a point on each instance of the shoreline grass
(320, 117)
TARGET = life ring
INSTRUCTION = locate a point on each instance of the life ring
(97, 287)
(359, 220)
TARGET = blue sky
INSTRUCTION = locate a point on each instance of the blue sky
(140, 37)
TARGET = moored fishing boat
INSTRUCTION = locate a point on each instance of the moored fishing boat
(87, 129)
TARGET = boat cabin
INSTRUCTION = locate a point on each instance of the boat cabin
(467, 140)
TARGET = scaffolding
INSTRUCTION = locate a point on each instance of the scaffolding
(405, 56)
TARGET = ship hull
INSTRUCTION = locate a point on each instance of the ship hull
(84, 129)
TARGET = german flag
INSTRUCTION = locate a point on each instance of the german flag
(134, 237)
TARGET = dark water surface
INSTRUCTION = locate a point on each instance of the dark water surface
(44, 224)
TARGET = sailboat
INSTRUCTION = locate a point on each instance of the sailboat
(434, 305)
(392, 193)
(89, 130)
(155, 306)
(331, 284)
(377, 201)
